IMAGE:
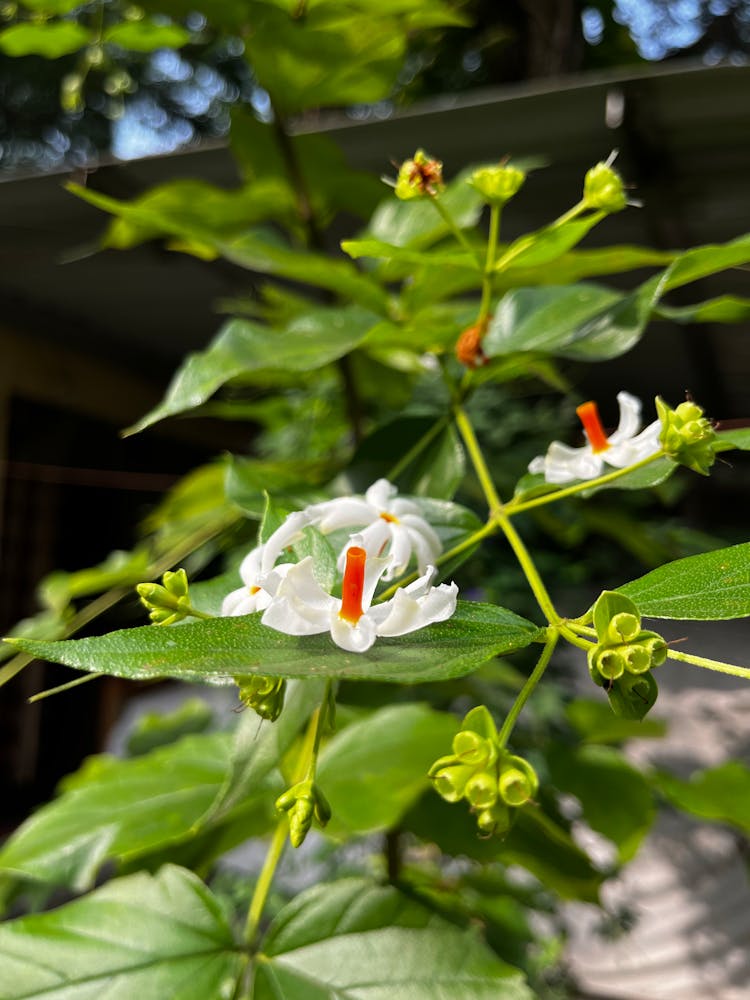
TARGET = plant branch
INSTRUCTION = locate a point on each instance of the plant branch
(717, 665)
(525, 693)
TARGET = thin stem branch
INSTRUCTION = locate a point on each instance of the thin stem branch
(320, 721)
(528, 566)
(417, 448)
(484, 306)
(717, 665)
(450, 223)
(63, 687)
(477, 460)
(515, 507)
(525, 693)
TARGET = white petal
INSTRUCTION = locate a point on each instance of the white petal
(630, 418)
(373, 540)
(344, 512)
(293, 617)
(407, 613)
(537, 465)
(250, 566)
(299, 584)
(286, 534)
(424, 539)
(636, 449)
(401, 506)
(563, 464)
(354, 638)
(240, 602)
(399, 551)
(380, 494)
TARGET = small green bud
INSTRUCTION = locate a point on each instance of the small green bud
(623, 627)
(609, 662)
(603, 188)
(176, 583)
(481, 790)
(471, 748)
(656, 647)
(265, 695)
(419, 177)
(518, 782)
(71, 93)
(94, 55)
(450, 779)
(302, 802)
(497, 184)
(637, 658)
(496, 820)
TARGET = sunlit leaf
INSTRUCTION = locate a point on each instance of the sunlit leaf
(146, 36)
(52, 40)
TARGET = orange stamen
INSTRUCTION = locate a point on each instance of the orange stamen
(389, 518)
(254, 590)
(588, 414)
(353, 585)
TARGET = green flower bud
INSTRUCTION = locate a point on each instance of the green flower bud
(302, 802)
(496, 820)
(71, 93)
(450, 780)
(94, 55)
(609, 662)
(471, 748)
(419, 177)
(481, 790)
(518, 782)
(603, 188)
(170, 596)
(497, 184)
(637, 658)
(265, 695)
(687, 436)
(623, 627)
(176, 583)
(656, 647)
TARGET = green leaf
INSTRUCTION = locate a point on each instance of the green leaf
(215, 651)
(158, 729)
(243, 348)
(292, 481)
(547, 244)
(316, 545)
(376, 769)
(418, 224)
(50, 7)
(143, 936)
(353, 939)
(721, 794)
(632, 696)
(536, 842)
(711, 587)
(608, 604)
(258, 748)
(389, 251)
(723, 309)
(738, 437)
(119, 569)
(594, 722)
(532, 485)
(58, 38)
(146, 36)
(118, 809)
(616, 798)
(435, 471)
(578, 264)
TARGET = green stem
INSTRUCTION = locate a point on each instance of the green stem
(525, 693)
(63, 687)
(718, 665)
(449, 221)
(263, 885)
(484, 306)
(527, 565)
(307, 759)
(514, 507)
(566, 631)
(417, 448)
(477, 460)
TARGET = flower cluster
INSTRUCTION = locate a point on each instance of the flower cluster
(492, 780)
(391, 532)
(687, 436)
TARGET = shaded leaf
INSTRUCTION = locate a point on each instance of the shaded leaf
(594, 722)
(58, 38)
(721, 793)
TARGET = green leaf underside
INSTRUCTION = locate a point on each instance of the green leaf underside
(722, 793)
(216, 650)
(143, 936)
(532, 485)
(355, 940)
(714, 586)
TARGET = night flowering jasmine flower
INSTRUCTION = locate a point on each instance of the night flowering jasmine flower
(251, 597)
(623, 447)
(388, 521)
(300, 606)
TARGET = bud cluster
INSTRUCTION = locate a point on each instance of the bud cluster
(687, 436)
(169, 601)
(603, 188)
(303, 802)
(624, 655)
(265, 695)
(492, 780)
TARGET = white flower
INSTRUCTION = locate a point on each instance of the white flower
(300, 606)
(623, 447)
(251, 597)
(389, 523)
